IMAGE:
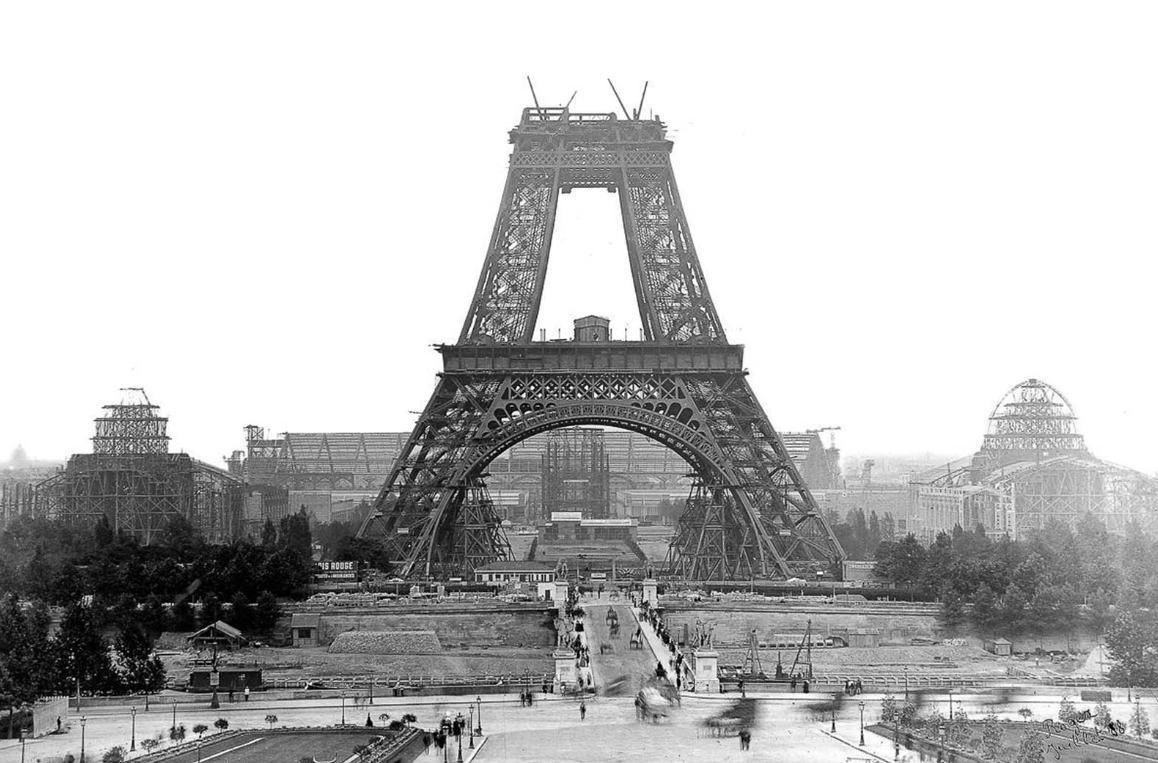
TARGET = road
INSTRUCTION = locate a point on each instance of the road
(622, 670)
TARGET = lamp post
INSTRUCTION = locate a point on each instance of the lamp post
(833, 708)
(82, 722)
(22, 742)
(133, 734)
(371, 690)
(478, 699)
(472, 727)
(343, 708)
(862, 724)
(950, 703)
(459, 735)
(174, 714)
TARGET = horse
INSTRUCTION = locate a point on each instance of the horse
(636, 640)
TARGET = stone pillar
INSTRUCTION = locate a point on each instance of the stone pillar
(565, 675)
(560, 594)
(651, 592)
(707, 677)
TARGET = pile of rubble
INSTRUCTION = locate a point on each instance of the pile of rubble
(386, 642)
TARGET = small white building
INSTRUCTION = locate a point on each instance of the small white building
(514, 572)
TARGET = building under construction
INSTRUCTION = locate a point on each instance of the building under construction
(132, 479)
(1033, 466)
(576, 475)
(333, 474)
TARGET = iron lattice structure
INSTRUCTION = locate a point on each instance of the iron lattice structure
(576, 475)
(133, 480)
(683, 385)
(1033, 417)
(1033, 467)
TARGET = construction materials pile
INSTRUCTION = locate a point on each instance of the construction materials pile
(386, 642)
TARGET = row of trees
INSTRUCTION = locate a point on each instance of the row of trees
(55, 562)
(859, 534)
(1054, 580)
(34, 664)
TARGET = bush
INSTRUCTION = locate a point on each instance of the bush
(115, 755)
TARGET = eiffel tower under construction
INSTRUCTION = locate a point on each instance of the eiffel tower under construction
(682, 384)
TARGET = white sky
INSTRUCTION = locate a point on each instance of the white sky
(267, 212)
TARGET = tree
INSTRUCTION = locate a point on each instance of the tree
(1025, 713)
(890, 712)
(1066, 710)
(1139, 721)
(221, 724)
(991, 738)
(901, 562)
(210, 608)
(1031, 748)
(271, 719)
(103, 535)
(985, 614)
(150, 744)
(294, 534)
(1102, 717)
(266, 614)
(269, 535)
(959, 728)
(140, 669)
(177, 733)
(242, 611)
(84, 653)
(1131, 641)
(114, 755)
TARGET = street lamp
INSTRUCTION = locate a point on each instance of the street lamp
(174, 713)
(22, 743)
(833, 708)
(950, 703)
(472, 727)
(862, 724)
(343, 708)
(459, 735)
(133, 735)
(478, 699)
(82, 722)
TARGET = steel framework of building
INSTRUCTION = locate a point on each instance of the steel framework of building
(133, 480)
(576, 476)
(1034, 466)
(683, 385)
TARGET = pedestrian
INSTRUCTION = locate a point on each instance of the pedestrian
(742, 694)
(793, 684)
(546, 689)
(246, 693)
(745, 739)
(231, 693)
(582, 710)
(58, 724)
(806, 686)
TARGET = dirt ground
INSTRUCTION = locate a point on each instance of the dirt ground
(915, 660)
(283, 663)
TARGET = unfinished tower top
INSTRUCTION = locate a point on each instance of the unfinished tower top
(1034, 416)
(131, 427)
